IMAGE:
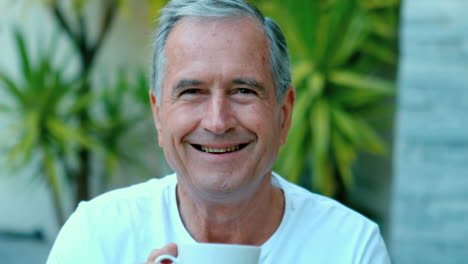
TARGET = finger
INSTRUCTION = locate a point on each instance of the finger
(169, 249)
(163, 262)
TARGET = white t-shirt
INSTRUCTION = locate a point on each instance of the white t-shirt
(124, 225)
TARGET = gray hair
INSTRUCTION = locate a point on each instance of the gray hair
(175, 10)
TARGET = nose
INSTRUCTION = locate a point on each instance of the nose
(219, 117)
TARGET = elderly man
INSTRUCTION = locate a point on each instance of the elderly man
(222, 102)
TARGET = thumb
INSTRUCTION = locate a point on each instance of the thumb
(169, 249)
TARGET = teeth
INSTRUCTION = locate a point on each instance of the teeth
(220, 150)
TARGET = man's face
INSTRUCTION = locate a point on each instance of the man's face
(218, 121)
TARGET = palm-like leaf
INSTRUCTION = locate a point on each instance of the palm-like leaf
(122, 107)
(44, 123)
(336, 48)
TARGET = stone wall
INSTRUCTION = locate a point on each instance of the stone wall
(430, 190)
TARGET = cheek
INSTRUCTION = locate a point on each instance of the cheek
(253, 118)
(261, 120)
(180, 123)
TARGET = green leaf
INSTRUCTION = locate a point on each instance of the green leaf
(340, 15)
(379, 51)
(382, 28)
(64, 132)
(142, 91)
(28, 140)
(320, 127)
(380, 4)
(155, 5)
(52, 177)
(288, 24)
(323, 175)
(306, 16)
(345, 124)
(357, 100)
(316, 85)
(345, 155)
(33, 135)
(300, 71)
(23, 52)
(361, 81)
(111, 161)
(358, 132)
(78, 5)
(359, 37)
(307, 98)
(370, 140)
(378, 111)
(356, 34)
(82, 103)
(321, 38)
(292, 156)
(12, 89)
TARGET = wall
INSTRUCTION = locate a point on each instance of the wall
(430, 209)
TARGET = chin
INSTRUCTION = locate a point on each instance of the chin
(223, 184)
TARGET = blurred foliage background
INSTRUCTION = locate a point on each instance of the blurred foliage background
(344, 61)
(65, 123)
(344, 57)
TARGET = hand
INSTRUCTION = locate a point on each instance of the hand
(169, 249)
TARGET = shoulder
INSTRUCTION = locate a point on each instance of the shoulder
(325, 225)
(143, 190)
(111, 220)
(135, 197)
(121, 205)
(313, 215)
(316, 206)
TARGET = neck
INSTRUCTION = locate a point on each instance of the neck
(249, 221)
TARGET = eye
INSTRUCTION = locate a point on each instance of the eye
(245, 91)
(190, 91)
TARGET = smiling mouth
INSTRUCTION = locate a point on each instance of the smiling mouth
(219, 150)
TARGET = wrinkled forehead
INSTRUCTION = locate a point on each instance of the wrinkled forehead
(212, 24)
(222, 49)
(218, 39)
(232, 19)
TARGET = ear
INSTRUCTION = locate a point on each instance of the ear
(286, 112)
(155, 110)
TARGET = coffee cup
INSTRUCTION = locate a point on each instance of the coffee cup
(210, 253)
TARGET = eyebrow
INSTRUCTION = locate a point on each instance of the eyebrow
(194, 82)
(249, 82)
(186, 83)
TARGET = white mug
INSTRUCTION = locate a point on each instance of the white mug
(207, 253)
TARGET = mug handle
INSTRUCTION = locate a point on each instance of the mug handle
(166, 257)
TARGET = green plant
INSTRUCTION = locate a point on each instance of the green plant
(43, 106)
(119, 116)
(343, 64)
(87, 47)
(57, 118)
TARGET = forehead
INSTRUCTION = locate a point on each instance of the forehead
(217, 52)
(245, 26)
(216, 39)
